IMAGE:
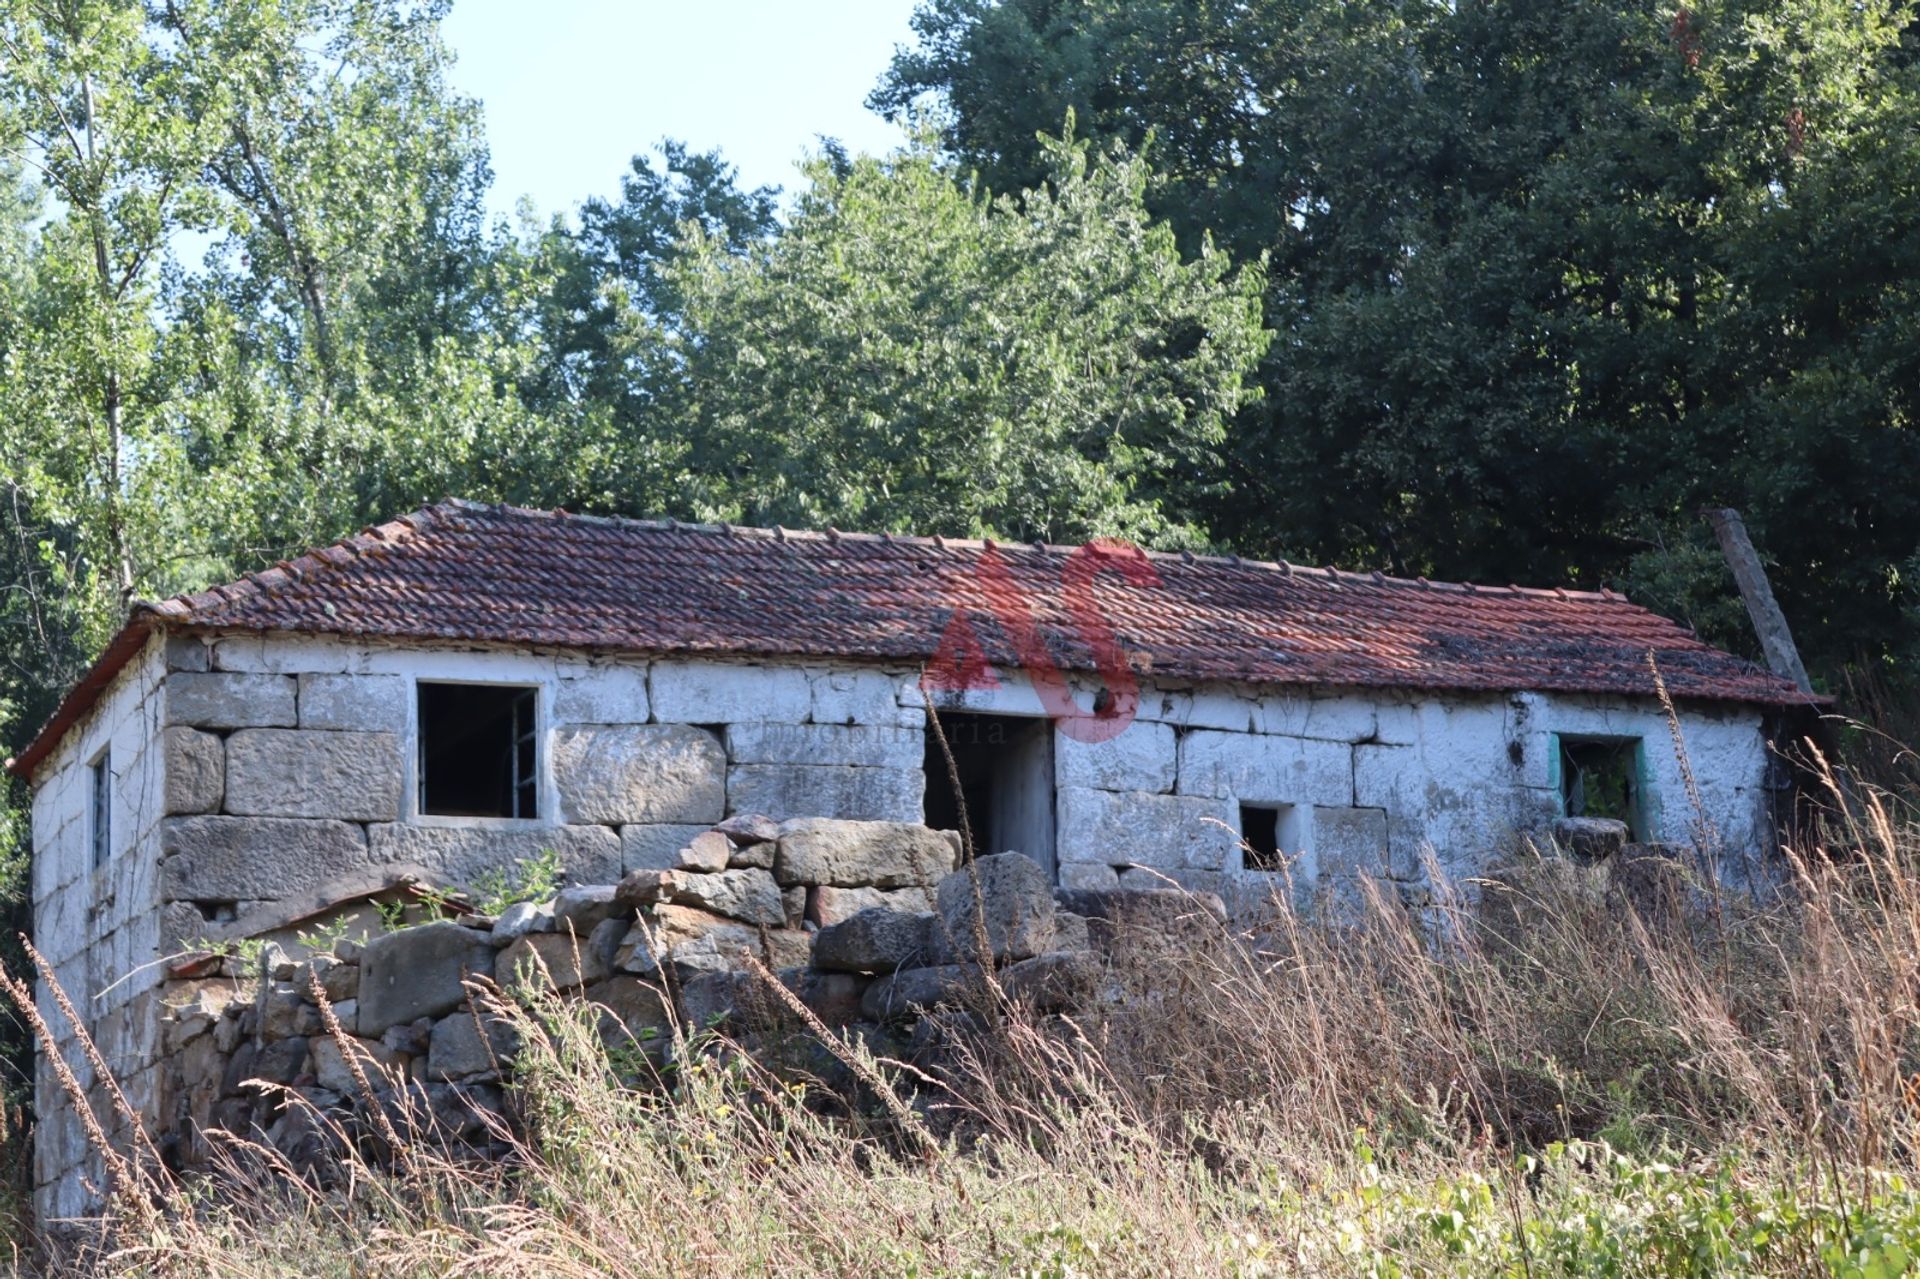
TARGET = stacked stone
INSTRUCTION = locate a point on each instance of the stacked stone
(869, 924)
(1048, 949)
(749, 887)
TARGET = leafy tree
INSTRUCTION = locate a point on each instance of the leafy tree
(86, 100)
(611, 268)
(1546, 277)
(913, 354)
(341, 332)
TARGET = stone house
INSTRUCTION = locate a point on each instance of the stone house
(469, 685)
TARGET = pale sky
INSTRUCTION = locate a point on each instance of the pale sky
(574, 88)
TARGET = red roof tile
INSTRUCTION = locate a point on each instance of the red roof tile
(466, 572)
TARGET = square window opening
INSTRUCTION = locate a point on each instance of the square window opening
(1270, 834)
(478, 750)
(1600, 777)
(100, 824)
(1005, 763)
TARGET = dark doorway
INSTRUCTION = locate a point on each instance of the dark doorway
(1005, 763)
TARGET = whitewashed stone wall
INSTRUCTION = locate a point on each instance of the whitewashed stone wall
(252, 771)
(305, 764)
(100, 928)
(1378, 783)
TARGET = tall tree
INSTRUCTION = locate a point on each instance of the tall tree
(913, 354)
(346, 348)
(611, 266)
(1546, 276)
(87, 101)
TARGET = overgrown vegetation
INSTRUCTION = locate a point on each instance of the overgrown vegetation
(1546, 276)
(1518, 286)
(1583, 1074)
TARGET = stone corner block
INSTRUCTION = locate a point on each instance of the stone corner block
(222, 699)
(195, 764)
(187, 653)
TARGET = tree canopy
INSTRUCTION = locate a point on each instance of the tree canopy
(910, 354)
(1546, 277)
(1502, 291)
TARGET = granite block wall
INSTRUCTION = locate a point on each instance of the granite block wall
(254, 773)
(97, 922)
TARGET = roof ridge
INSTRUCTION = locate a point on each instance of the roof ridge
(1363, 577)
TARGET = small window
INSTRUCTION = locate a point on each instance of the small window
(1260, 833)
(1600, 777)
(1269, 833)
(100, 826)
(477, 751)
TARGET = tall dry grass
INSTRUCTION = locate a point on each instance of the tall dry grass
(1467, 1088)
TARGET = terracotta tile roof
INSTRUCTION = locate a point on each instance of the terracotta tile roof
(467, 572)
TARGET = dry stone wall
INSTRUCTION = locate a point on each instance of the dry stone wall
(839, 909)
(662, 955)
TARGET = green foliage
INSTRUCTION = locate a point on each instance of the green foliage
(1546, 277)
(325, 937)
(531, 879)
(249, 949)
(393, 915)
(912, 354)
(1584, 1211)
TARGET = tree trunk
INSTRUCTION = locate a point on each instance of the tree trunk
(111, 399)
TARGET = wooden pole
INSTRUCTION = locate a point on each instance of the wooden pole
(1776, 641)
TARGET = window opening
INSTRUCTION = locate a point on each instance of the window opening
(101, 825)
(1600, 777)
(478, 751)
(1260, 836)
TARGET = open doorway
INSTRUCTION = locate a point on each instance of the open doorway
(1005, 764)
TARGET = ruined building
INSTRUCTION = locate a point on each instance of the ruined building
(470, 685)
